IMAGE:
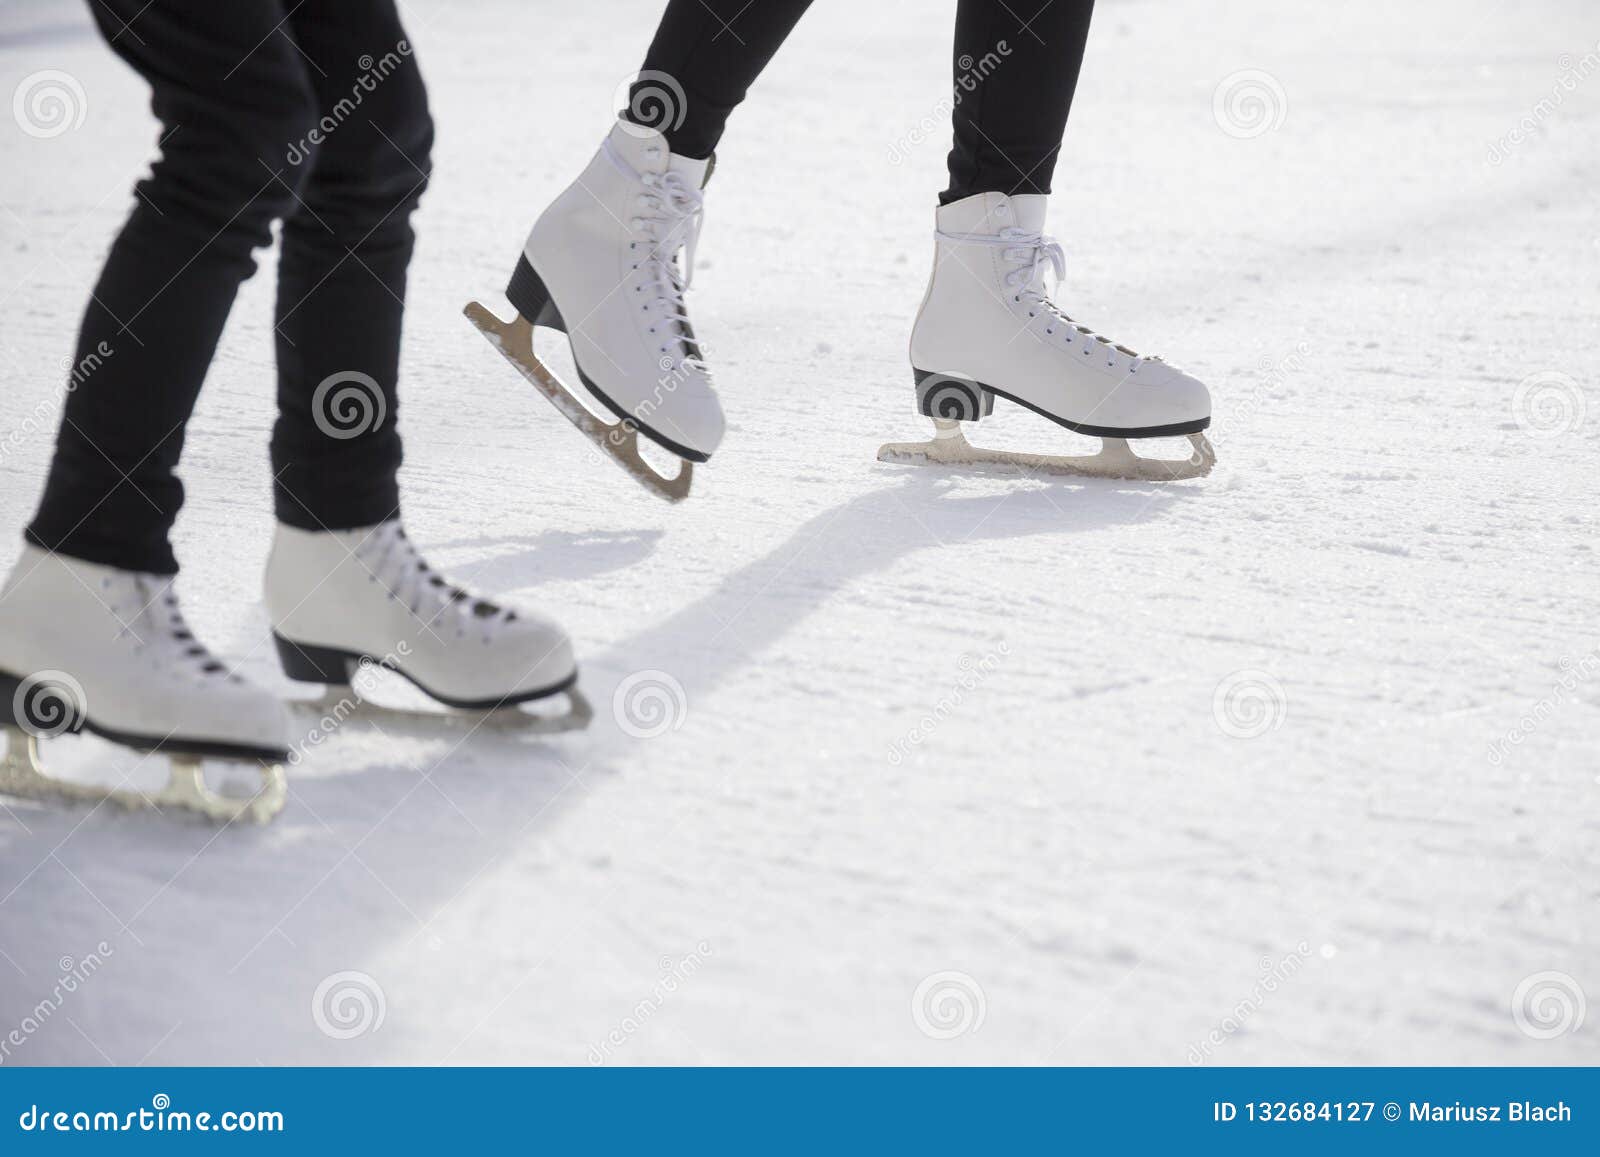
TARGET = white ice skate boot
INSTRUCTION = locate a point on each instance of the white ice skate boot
(987, 327)
(338, 599)
(602, 264)
(90, 647)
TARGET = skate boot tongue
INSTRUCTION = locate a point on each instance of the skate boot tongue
(987, 214)
(694, 172)
(1028, 211)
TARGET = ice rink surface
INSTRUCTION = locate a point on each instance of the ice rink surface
(1299, 763)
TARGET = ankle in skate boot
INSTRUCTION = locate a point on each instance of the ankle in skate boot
(988, 328)
(608, 264)
(94, 648)
(340, 600)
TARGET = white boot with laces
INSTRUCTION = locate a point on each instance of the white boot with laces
(987, 328)
(608, 264)
(337, 598)
(90, 647)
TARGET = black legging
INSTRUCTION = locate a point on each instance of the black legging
(241, 108)
(1015, 63)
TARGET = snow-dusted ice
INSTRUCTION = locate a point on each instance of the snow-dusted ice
(1296, 763)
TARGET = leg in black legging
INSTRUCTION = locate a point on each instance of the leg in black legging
(1016, 66)
(712, 51)
(342, 277)
(229, 93)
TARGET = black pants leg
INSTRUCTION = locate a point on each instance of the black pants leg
(710, 51)
(342, 275)
(1016, 66)
(233, 96)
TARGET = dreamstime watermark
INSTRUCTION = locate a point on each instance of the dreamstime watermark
(1573, 673)
(675, 973)
(48, 103)
(1249, 103)
(74, 974)
(674, 373)
(649, 703)
(42, 417)
(1272, 975)
(1546, 1005)
(1570, 74)
(948, 1004)
(975, 671)
(348, 1004)
(973, 72)
(160, 1117)
(1249, 703)
(363, 678)
(1549, 404)
(373, 73)
(1274, 376)
(348, 404)
(654, 101)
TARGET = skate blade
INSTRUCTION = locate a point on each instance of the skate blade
(23, 776)
(342, 705)
(1116, 459)
(618, 440)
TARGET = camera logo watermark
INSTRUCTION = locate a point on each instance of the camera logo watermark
(48, 103)
(1548, 1004)
(948, 1004)
(648, 704)
(1549, 404)
(49, 703)
(348, 1004)
(348, 404)
(654, 100)
(1249, 103)
(1249, 703)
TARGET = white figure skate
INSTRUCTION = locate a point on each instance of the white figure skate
(988, 328)
(602, 265)
(342, 602)
(90, 647)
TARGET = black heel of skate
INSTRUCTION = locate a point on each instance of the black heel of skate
(951, 396)
(531, 298)
(305, 663)
(38, 703)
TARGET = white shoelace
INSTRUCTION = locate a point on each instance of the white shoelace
(1035, 254)
(395, 563)
(147, 607)
(672, 213)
